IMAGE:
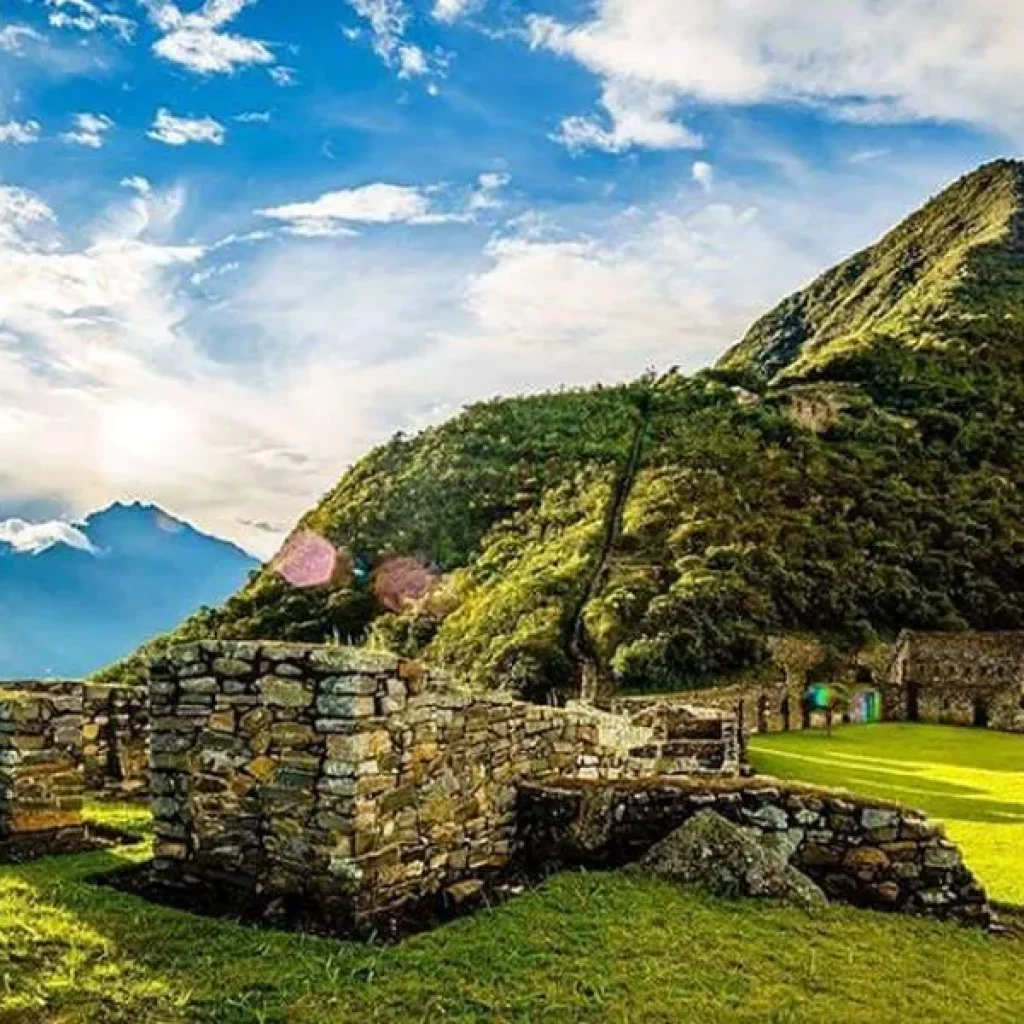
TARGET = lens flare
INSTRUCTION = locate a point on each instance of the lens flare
(819, 697)
(308, 560)
(401, 581)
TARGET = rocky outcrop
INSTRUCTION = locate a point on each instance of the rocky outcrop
(729, 861)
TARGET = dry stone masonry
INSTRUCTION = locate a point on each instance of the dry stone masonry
(958, 679)
(115, 739)
(41, 776)
(363, 786)
(862, 852)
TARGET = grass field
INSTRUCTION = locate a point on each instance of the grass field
(599, 947)
(971, 779)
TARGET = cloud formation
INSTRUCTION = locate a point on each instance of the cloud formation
(20, 133)
(449, 11)
(180, 131)
(861, 60)
(89, 130)
(388, 21)
(334, 213)
(87, 16)
(34, 538)
(637, 115)
(199, 42)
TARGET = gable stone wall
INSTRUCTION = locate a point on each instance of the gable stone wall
(974, 679)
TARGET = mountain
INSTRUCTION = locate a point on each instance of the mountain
(853, 466)
(73, 598)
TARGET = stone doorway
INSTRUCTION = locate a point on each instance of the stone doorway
(980, 713)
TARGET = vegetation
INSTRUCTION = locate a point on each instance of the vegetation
(851, 468)
(604, 947)
(970, 779)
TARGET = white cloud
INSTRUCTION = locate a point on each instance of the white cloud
(197, 41)
(90, 130)
(388, 22)
(875, 60)
(87, 16)
(253, 117)
(20, 133)
(451, 10)
(22, 215)
(238, 406)
(14, 37)
(283, 76)
(664, 277)
(639, 116)
(412, 61)
(704, 174)
(377, 203)
(863, 156)
(33, 538)
(491, 180)
(180, 131)
(137, 183)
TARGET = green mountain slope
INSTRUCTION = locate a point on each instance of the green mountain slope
(853, 466)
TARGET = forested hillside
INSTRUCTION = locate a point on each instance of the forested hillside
(853, 466)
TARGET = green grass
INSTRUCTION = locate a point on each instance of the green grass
(134, 818)
(971, 779)
(603, 947)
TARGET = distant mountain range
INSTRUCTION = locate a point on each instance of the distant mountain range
(73, 597)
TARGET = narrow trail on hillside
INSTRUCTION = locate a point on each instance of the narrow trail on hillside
(580, 649)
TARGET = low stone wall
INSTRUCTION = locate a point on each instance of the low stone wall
(362, 785)
(862, 852)
(115, 732)
(958, 679)
(763, 707)
(115, 739)
(41, 778)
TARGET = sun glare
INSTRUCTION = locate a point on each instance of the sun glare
(137, 436)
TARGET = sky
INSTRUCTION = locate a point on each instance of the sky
(243, 241)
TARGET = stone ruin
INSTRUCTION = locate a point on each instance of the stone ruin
(58, 740)
(974, 679)
(968, 679)
(362, 788)
(41, 780)
(354, 792)
(865, 852)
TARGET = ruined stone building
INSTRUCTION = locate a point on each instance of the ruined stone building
(349, 790)
(974, 679)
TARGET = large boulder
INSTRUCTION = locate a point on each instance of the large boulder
(729, 861)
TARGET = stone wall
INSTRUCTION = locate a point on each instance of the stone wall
(115, 738)
(41, 777)
(859, 851)
(776, 701)
(115, 732)
(958, 679)
(364, 786)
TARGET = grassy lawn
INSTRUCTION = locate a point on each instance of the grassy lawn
(594, 947)
(970, 778)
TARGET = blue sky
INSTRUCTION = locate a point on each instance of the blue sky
(241, 242)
